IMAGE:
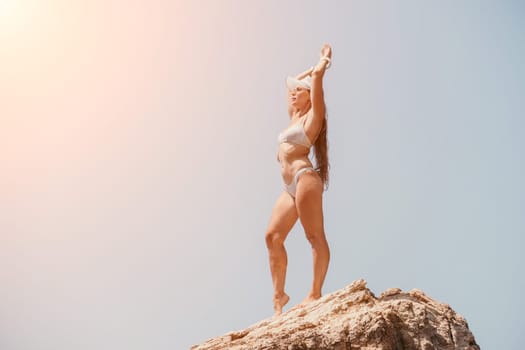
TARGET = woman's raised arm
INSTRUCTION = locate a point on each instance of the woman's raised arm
(317, 94)
(305, 73)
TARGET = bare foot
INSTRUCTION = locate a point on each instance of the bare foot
(279, 302)
(309, 299)
(306, 301)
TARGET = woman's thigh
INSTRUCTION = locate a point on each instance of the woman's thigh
(283, 217)
(309, 202)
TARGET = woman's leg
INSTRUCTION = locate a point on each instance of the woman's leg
(284, 216)
(309, 204)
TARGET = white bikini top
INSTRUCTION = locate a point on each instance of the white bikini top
(295, 134)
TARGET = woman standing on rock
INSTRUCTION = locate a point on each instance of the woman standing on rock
(303, 184)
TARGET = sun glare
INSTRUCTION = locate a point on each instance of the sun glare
(7, 7)
(12, 17)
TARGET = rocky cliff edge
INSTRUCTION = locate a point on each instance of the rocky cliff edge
(354, 318)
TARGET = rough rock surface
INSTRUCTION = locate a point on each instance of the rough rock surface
(354, 318)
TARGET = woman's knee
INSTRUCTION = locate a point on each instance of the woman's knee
(316, 238)
(274, 238)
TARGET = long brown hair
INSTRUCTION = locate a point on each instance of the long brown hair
(321, 154)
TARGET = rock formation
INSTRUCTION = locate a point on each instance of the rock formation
(353, 318)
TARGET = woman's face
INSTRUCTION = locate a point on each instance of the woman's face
(298, 97)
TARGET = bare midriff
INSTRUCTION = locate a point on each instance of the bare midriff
(292, 158)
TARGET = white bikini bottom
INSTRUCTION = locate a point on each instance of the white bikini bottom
(292, 187)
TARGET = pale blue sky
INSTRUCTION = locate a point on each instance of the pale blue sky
(139, 142)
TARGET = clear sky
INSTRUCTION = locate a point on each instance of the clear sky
(138, 146)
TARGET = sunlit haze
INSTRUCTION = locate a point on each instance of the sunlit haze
(138, 146)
